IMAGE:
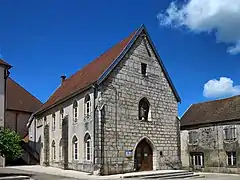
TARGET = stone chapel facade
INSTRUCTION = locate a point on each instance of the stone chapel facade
(118, 114)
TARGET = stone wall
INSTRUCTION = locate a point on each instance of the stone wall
(212, 144)
(121, 93)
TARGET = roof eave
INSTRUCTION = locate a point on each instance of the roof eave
(64, 99)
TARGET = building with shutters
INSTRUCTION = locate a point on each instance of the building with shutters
(210, 136)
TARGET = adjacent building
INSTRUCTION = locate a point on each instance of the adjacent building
(210, 136)
(117, 114)
(4, 72)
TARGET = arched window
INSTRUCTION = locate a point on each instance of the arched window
(75, 148)
(53, 122)
(143, 109)
(53, 150)
(75, 111)
(88, 147)
(61, 117)
(61, 155)
(87, 105)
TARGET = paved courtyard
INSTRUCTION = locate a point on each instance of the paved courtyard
(46, 173)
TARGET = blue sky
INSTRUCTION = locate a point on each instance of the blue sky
(45, 39)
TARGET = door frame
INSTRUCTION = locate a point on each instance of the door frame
(154, 151)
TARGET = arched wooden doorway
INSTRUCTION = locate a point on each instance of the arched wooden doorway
(143, 156)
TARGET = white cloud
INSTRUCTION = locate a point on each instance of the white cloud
(221, 17)
(219, 88)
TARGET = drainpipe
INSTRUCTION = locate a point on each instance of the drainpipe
(94, 119)
(6, 75)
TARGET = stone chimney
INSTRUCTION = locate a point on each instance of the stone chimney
(63, 78)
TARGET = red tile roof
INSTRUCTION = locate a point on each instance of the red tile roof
(212, 112)
(88, 75)
(4, 63)
(20, 99)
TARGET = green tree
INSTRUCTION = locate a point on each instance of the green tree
(10, 147)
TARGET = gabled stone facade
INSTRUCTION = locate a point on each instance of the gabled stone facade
(121, 134)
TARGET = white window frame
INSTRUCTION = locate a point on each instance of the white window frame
(199, 161)
(88, 146)
(233, 155)
(60, 150)
(75, 149)
(61, 117)
(53, 150)
(75, 111)
(87, 106)
(53, 122)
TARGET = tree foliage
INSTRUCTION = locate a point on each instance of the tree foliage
(10, 147)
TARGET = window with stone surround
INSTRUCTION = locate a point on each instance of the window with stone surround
(53, 150)
(231, 158)
(143, 109)
(61, 117)
(61, 149)
(87, 103)
(88, 148)
(75, 148)
(53, 121)
(230, 133)
(144, 69)
(193, 137)
(75, 111)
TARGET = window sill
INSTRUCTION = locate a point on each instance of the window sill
(230, 141)
(193, 144)
(230, 166)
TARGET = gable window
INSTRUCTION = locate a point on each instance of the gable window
(231, 158)
(75, 111)
(53, 150)
(61, 117)
(197, 159)
(87, 106)
(75, 148)
(193, 137)
(53, 122)
(230, 133)
(144, 69)
(88, 149)
(143, 109)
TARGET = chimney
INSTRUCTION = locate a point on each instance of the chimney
(63, 77)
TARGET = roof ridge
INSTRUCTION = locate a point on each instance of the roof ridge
(222, 99)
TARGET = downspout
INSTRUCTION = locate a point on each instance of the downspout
(94, 119)
(6, 74)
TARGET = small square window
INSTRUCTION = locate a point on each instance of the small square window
(144, 69)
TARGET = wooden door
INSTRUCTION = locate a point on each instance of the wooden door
(144, 156)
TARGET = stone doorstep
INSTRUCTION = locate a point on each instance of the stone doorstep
(149, 173)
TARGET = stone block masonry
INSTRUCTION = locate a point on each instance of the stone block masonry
(123, 129)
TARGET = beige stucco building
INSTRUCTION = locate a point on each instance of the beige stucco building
(4, 67)
(118, 114)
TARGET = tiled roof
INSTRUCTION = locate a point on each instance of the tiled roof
(88, 75)
(98, 69)
(212, 112)
(20, 99)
